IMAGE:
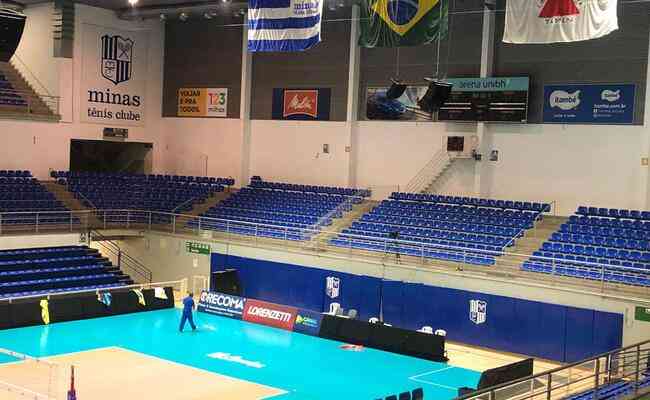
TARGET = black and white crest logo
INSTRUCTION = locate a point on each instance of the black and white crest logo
(117, 58)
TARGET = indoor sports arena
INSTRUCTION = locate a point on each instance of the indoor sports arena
(324, 199)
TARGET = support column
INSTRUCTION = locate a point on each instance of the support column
(645, 144)
(245, 107)
(352, 117)
(487, 67)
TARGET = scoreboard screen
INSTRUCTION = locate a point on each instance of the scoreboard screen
(487, 100)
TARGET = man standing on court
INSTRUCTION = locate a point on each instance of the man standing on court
(188, 307)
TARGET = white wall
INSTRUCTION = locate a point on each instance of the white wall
(292, 151)
(36, 50)
(189, 141)
(41, 147)
(34, 241)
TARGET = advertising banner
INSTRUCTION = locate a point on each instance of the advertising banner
(589, 104)
(302, 104)
(221, 304)
(114, 76)
(203, 102)
(270, 314)
(308, 322)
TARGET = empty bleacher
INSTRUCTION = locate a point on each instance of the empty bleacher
(598, 244)
(281, 210)
(443, 227)
(8, 95)
(612, 391)
(26, 272)
(22, 197)
(121, 191)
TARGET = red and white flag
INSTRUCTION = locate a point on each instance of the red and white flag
(553, 21)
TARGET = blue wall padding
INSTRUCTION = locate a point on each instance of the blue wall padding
(533, 328)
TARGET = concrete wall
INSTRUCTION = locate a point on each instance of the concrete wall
(33, 241)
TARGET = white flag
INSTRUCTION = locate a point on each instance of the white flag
(553, 21)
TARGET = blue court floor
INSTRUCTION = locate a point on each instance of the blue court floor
(307, 368)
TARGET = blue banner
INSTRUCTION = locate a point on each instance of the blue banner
(589, 104)
(308, 322)
(302, 104)
(221, 304)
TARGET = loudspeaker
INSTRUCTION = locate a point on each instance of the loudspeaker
(226, 282)
(435, 97)
(12, 24)
(396, 90)
(456, 144)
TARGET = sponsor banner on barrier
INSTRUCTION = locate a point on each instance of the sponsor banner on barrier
(222, 304)
(302, 104)
(308, 322)
(270, 314)
(589, 104)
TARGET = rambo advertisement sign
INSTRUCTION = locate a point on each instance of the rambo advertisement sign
(261, 312)
(114, 75)
(302, 104)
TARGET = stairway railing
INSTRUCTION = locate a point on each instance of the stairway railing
(124, 260)
(424, 177)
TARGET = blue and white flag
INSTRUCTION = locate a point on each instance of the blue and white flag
(283, 25)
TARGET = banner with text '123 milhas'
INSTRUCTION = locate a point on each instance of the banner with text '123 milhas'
(114, 76)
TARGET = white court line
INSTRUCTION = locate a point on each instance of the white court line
(433, 384)
(431, 372)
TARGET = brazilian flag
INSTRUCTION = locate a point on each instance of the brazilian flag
(393, 23)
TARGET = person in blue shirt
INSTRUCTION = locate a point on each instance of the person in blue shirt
(188, 307)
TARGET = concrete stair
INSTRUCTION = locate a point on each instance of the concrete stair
(339, 224)
(71, 202)
(199, 209)
(431, 187)
(531, 242)
(37, 109)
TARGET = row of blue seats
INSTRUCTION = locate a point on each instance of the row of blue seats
(639, 234)
(310, 188)
(603, 241)
(62, 290)
(587, 273)
(14, 210)
(40, 250)
(144, 186)
(15, 173)
(593, 251)
(16, 218)
(83, 175)
(365, 223)
(494, 241)
(30, 274)
(392, 207)
(610, 222)
(378, 245)
(21, 195)
(612, 391)
(52, 283)
(472, 201)
(261, 217)
(261, 194)
(430, 222)
(308, 208)
(595, 259)
(54, 262)
(290, 232)
(613, 213)
(289, 210)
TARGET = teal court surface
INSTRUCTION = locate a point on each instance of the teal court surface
(300, 366)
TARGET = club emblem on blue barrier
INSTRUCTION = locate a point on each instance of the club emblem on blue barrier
(333, 287)
(477, 311)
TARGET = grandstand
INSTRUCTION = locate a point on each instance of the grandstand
(400, 200)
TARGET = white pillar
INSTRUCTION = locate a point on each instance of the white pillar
(245, 107)
(487, 67)
(645, 144)
(352, 115)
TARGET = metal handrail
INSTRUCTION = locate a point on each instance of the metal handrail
(123, 258)
(607, 369)
(425, 173)
(140, 286)
(86, 199)
(189, 201)
(26, 68)
(229, 224)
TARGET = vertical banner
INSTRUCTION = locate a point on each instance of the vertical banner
(114, 76)
(589, 104)
(203, 102)
(302, 104)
